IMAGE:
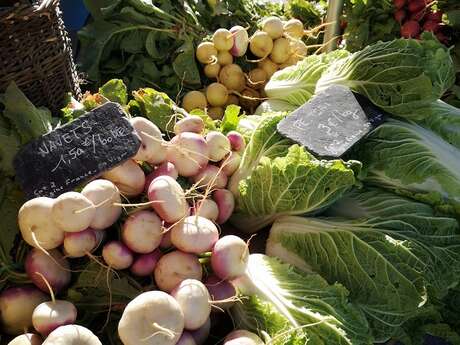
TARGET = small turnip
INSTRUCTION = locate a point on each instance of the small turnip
(174, 267)
(226, 203)
(229, 257)
(128, 177)
(73, 212)
(232, 77)
(224, 58)
(186, 339)
(152, 318)
(52, 266)
(231, 163)
(168, 199)
(48, 316)
(206, 53)
(152, 149)
(16, 307)
(273, 26)
(257, 78)
(217, 93)
(37, 226)
(194, 300)
(189, 153)
(281, 50)
(207, 208)
(222, 39)
(212, 70)
(72, 335)
(192, 123)
(218, 144)
(211, 178)
(144, 264)
(221, 290)
(195, 234)
(79, 244)
(268, 66)
(164, 169)
(117, 255)
(294, 28)
(236, 141)
(142, 232)
(27, 339)
(240, 41)
(194, 100)
(201, 334)
(298, 48)
(261, 44)
(216, 113)
(242, 337)
(106, 197)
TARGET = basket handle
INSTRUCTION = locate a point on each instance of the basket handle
(46, 5)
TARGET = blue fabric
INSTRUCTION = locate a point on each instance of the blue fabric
(74, 14)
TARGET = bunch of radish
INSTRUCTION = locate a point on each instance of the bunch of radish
(275, 46)
(417, 16)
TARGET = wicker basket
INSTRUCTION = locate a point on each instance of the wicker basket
(36, 53)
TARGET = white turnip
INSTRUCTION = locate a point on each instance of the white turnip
(201, 334)
(273, 26)
(207, 208)
(142, 232)
(261, 44)
(268, 66)
(194, 100)
(206, 53)
(164, 169)
(72, 335)
(79, 244)
(27, 339)
(216, 93)
(189, 153)
(229, 257)
(37, 226)
(226, 203)
(144, 264)
(174, 267)
(222, 39)
(194, 300)
(281, 50)
(128, 177)
(221, 290)
(298, 48)
(48, 316)
(240, 41)
(194, 235)
(218, 144)
(236, 141)
(73, 212)
(231, 163)
(242, 337)
(168, 199)
(232, 77)
(192, 123)
(211, 178)
(293, 28)
(152, 318)
(224, 58)
(117, 255)
(152, 149)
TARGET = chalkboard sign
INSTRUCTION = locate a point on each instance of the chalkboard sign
(59, 161)
(332, 121)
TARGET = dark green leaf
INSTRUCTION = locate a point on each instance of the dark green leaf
(115, 90)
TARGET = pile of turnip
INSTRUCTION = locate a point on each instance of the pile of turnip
(276, 45)
(167, 202)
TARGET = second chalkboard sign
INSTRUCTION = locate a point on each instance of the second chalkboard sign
(332, 121)
(61, 160)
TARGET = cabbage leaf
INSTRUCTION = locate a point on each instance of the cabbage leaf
(272, 106)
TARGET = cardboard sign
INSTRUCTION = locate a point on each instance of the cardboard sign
(59, 161)
(332, 121)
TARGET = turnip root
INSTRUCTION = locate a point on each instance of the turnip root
(16, 307)
(194, 300)
(217, 93)
(72, 335)
(128, 177)
(72, 212)
(273, 26)
(221, 290)
(105, 195)
(37, 226)
(186, 339)
(216, 113)
(79, 244)
(52, 266)
(142, 232)
(224, 58)
(231, 163)
(257, 78)
(268, 66)
(208, 209)
(27, 339)
(189, 153)
(232, 77)
(218, 144)
(240, 41)
(229, 257)
(236, 141)
(298, 48)
(223, 39)
(144, 264)
(261, 44)
(152, 318)
(232, 99)
(48, 316)
(194, 100)
(194, 235)
(164, 169)
(168, 199)
(117, 255)
(174, 267)
(211, 177)
(281, 50)
(293, 28)
(201, 334)
(206, 53)
(212, 70)
(152, 149)
(192, 123)
(242, 337)
(226, 203)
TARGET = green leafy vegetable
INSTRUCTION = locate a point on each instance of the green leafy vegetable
(309, 12)
(230, 119)
(115, 90)
(273, 106)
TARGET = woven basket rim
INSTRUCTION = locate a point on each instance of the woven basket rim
(23, 11)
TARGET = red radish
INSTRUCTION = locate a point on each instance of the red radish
(128, 177)
(27, 339)
(186, 339)
(417, 16)
(231, 163)
(211, 177)
(48, 316)
(174, 267)
(236, 141)
(434, 16)
(168, 199)
(226, 203)
(201, 334)
(431, 26)
(194, 235)
(54, 267)
(164, 169)
(207, 208)
(229, 257)
(16, 307)
(442, 38)
(142, 232)
(195, 302)
(144, 264)
(221, 290)
(410, 29)
(400, 15)
(117, 255)
(399, 3)
(416, 5)
(188, 152)
(79, 244)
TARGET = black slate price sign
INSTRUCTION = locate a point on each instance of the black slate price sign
(59, 161)
(332, 121)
